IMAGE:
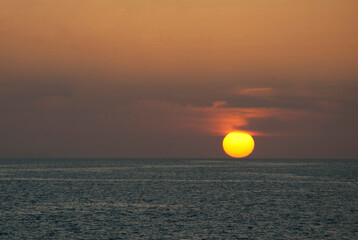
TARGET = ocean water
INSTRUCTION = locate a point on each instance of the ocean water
(178, 199)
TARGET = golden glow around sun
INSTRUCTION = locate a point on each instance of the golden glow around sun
(238, 144)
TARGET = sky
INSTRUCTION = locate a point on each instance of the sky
(170, 78)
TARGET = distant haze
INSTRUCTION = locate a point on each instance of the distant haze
(168, 78)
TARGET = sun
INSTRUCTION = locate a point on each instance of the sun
(238, 144)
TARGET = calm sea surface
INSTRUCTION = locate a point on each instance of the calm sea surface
(178, 199)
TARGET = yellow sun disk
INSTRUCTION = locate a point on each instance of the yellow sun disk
(238, 144)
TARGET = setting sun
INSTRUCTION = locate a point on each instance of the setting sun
(238, 144)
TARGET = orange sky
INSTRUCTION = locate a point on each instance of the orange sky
(174, 36)
(72, 72)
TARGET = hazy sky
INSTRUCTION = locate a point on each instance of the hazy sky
(169, 78)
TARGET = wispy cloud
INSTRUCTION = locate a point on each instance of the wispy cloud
(216, 120)
(263, 92)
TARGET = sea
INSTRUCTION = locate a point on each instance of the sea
(178, 199)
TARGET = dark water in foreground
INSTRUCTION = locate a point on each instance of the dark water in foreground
(178, 199)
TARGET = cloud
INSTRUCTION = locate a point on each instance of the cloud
(216, 120)
(264, 92)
